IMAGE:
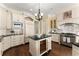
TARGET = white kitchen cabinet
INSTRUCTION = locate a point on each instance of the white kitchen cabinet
(49, 43)
(5, 21)
(12, 41)
(21, 39)
(2, 32)
(9, 20)
(6, 43)
(36, 46)
(29, 30)
(56, 38)
(26, 39)
(0, 49)
(29, 27)
(75, 50)
(17, 40)
(3, 14)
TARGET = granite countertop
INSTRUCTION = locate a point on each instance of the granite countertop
(74, 34)
(2, 36)
(76, 44)
(37, 38)
(10, 34)
(54, 33)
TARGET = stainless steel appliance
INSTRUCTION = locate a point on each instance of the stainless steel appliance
(67, 39)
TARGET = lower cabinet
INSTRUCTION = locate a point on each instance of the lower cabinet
(17, 40)
(6, 43)
(26, 39)
(21, 39)
(56, 38)
(10, 41)
(75, 50)
(0, 49)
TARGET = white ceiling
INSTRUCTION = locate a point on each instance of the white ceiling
(46, 8)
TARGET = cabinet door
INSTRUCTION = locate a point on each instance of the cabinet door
(9, 20)
(0, 49)
(3, 19)
(21, 39)
(29, 26)
(55, 37)
(16, 40)
(12, 41)
(6, 43)
(26, 40)
(48, 44)
(75, 50)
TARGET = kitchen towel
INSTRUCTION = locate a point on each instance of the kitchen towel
(64, 39)
(68, 39)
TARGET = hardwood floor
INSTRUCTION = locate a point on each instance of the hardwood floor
(23, 50)
(59, 50)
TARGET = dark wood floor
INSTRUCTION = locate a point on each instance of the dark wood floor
(23, 50)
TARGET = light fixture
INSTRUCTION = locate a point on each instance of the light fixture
(39, 15)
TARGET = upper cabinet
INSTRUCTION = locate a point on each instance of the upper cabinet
(29, 28)
(5, 19)
(9, 20)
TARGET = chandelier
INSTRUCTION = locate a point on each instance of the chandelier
(39, 15)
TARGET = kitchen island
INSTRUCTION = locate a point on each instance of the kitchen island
(39, 46)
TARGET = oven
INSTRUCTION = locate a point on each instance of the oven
(67, 39)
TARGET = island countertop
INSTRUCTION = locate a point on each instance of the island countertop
(37, 38)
